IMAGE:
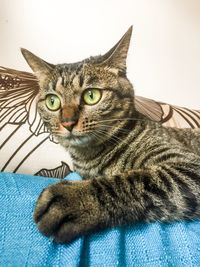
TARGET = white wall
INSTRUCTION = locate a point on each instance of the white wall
(164, 59)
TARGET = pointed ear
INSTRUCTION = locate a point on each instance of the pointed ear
(40, 67)
(116, 56)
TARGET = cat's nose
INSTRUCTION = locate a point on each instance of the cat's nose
(69, 116)
(69, 125)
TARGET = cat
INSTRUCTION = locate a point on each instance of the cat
(133, 169)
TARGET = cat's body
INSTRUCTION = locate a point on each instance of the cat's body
(133, 169)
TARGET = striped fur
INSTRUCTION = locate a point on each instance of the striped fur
(134, 169)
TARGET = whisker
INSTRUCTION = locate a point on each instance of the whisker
(113, 137)
(110, 126)
(111, 140)
(122, 119)
(98, 137)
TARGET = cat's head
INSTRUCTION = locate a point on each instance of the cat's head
(85, 102)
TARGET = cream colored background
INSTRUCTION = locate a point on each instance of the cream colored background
(164, 59)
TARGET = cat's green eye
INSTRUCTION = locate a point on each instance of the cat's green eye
(92, 96)
(53, 102)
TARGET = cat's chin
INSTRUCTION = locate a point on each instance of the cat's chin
(79, 140)
(75, 141)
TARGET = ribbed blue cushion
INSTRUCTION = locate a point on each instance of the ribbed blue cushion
(146, 245)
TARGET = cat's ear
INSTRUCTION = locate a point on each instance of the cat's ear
(116, 56)
(40, 67)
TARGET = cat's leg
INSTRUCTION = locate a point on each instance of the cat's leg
(67, 210)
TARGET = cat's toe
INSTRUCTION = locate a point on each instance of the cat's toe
(51, 221)
(61, 213)
(42, 204)
(68, 232)
(49, 211)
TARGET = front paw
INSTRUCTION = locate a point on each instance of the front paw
(66, 210)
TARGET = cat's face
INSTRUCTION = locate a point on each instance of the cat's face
(86, 102)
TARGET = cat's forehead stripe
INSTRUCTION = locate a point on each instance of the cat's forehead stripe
(72, 82)
(52, 85)
(81, 80)
(92, 79)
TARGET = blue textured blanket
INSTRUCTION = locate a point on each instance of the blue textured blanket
(147, 245)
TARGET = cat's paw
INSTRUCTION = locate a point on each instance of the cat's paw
(66, 210)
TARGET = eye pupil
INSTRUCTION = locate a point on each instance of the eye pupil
(52, 100)
(91, 95)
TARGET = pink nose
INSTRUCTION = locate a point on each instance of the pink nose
(68, 125)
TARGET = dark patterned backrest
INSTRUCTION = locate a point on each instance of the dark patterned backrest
(168, 115)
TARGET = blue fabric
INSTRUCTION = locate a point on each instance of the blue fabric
(141, 245)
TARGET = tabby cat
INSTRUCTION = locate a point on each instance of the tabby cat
(134, 169)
